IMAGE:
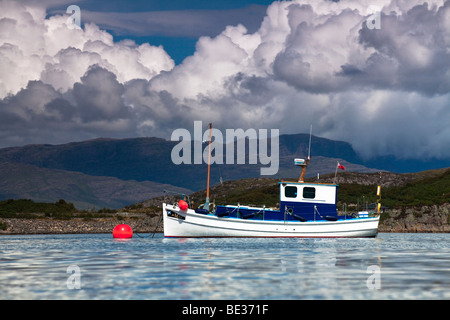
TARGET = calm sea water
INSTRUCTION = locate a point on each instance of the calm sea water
(391, 266)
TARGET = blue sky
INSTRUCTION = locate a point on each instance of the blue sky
(178, 41)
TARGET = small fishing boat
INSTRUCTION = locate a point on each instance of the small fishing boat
(307, 210)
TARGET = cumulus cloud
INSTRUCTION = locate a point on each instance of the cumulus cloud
(386, 91)
(33, 47)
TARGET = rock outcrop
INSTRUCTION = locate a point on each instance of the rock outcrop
(417, 219)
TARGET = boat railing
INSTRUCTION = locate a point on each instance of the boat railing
(263, 210)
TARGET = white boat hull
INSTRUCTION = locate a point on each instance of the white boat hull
(185, 224)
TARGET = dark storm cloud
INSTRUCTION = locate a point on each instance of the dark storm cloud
(99, 96)
(411, 50)
(40, 113)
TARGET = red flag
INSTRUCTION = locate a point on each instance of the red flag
(340, 166)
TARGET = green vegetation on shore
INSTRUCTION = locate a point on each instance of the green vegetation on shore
(429, 191)
(28, 209)
(422, 189)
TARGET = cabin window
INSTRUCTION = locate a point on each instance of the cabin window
(309, 193)
(290, 192)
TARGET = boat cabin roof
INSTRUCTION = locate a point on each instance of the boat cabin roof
(308, 183)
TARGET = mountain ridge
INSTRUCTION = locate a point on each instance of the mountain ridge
(149, 159)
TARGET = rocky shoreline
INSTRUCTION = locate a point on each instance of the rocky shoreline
(425, 219)
(142, 224)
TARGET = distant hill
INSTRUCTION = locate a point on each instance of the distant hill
(26, 181)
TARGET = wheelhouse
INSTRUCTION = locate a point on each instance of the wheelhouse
(309, 201)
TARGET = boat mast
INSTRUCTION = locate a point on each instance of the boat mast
(206, 206)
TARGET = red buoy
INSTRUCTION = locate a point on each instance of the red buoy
(183, 205)
(122, 231)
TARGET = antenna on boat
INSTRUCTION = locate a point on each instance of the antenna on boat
(206, 205)
(301, 162)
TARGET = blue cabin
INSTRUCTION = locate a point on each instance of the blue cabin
(309, 201)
